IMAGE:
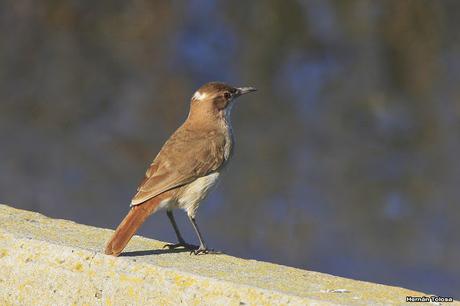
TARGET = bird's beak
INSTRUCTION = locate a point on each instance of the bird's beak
(244, 90)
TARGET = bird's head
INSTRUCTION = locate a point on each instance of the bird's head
(215, 98)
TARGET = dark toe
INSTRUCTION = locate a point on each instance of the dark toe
(173, 246)
(202, 251)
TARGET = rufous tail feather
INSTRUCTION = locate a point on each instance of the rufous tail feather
(130, 224)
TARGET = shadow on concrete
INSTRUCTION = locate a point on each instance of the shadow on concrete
(163, 251)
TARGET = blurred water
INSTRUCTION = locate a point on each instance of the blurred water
(346, 158)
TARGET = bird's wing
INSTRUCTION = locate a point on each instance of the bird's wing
(185, 157)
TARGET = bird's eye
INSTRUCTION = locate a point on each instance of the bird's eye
(227, 95)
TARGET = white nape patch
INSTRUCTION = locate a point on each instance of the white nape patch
(199, 96)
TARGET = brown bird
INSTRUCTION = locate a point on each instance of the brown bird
(187, 167)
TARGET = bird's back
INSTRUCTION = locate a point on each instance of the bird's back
(188, 155)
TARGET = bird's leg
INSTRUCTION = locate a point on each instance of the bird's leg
(203, 248)
(181, 240)
(174, 224)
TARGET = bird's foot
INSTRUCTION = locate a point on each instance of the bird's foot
(185, 245)
(204, 250)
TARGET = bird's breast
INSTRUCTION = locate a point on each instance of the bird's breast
(228, 147)
(226, 125)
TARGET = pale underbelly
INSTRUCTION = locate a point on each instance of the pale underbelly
(191, 195)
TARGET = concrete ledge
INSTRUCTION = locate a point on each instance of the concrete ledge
(46, 261)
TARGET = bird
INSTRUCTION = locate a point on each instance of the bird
(186, 168)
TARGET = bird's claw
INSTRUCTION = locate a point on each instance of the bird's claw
(203, 250)
(173, 246)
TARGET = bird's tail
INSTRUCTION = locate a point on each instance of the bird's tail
(130, 224)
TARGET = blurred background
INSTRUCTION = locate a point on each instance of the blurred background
(346, 160)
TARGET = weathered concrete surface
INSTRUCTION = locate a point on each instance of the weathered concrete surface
(45, 261)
